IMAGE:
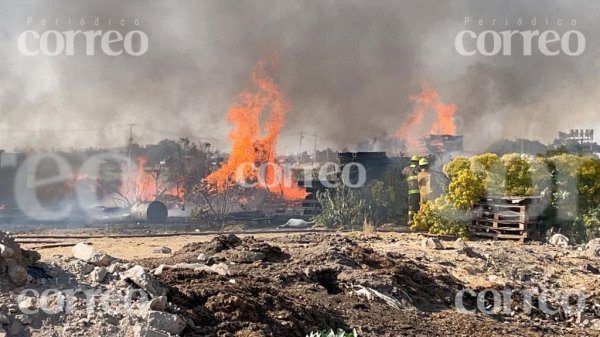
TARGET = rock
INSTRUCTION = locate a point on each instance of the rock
(114, 268)
(460, 244)
(219, 268)
(593, 243)
(145, 281)
(585, 266)
(593, 247)
(88, 254)
(28, 304)
(163, 250)
(159, 270)
(164, 321)
(139, 331)
(158, 303)
(559, 240)
(121, 284)
(6, 251)
(297, 223)
(202, 257)
(470, 252)
(99, 274)
(18, 275)
(86, 268)
(432, 243)
(245, 256)
(4, 319)
(25, 319)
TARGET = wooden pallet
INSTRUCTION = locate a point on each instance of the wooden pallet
(506, 218)
(521, 236)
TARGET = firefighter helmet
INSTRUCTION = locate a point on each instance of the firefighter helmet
(423, 162)
(414, 158)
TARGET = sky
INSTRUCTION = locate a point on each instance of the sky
(348, 69)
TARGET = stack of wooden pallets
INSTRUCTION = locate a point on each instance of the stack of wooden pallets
(513, 218)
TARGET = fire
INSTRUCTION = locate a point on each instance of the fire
(406, 130)
(139, 186)
(142, 185)
(249, 147)
(428, 100)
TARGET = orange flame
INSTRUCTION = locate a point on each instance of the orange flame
(248, 146)
(139, 186)
(428, 100)
(142, 185)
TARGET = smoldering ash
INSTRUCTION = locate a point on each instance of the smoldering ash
(111, 37)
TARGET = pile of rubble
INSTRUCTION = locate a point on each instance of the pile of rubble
(14, 264)
(89, 294)
(14, 261)
(293, 285)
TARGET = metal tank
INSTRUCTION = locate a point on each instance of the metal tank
(154, 211)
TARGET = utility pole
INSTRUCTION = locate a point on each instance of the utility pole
(522, 145)
(156, 176)
(315, 151)
(300, 146)
(130, 149)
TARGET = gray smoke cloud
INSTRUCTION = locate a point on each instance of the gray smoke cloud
(347, 67)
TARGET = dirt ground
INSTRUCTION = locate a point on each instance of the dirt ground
(290, 285)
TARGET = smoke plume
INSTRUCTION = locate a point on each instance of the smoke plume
(348, 68)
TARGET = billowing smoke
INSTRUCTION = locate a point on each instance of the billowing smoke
(347, 67)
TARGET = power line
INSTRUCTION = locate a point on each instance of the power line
(165, 132)
(180, 135)
(60, 130)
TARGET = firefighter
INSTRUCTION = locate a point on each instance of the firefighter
(410, 173)
(424, 181)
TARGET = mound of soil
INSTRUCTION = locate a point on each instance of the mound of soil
(309, 287)
(294, 285)
(223, 248)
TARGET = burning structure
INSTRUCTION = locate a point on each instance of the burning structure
(441, 139)
(442, 133)
(443, 146)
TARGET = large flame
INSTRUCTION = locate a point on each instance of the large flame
(138, 186)
(427, 101)
(248, 145)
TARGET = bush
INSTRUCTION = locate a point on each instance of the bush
(454, 167)
(465, 189)
(441, 216)
(518, 178)
(570, 183)
(341, 207)
(380, 201)
(377, 202)
(395, 195)
(574, 194)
